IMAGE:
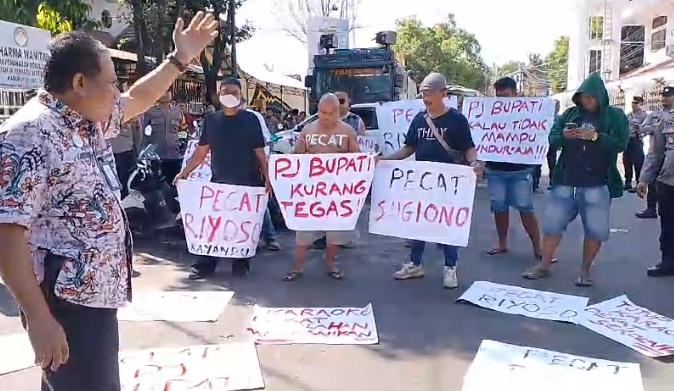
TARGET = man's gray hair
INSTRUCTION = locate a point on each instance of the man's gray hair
(329, 99)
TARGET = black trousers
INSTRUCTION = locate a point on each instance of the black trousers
(170, 169)
(633, 159)
(125, 163)
(666, 210)
(93, 339)
(537, 176)
(552, 160)
(652, 197)
(206, 265)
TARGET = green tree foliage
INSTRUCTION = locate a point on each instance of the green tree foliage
(154, 21)
(507, 69)
(557, 63)
(56, 16)
(443, 48)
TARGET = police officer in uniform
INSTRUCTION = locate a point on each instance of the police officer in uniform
(653, 121)
(633, 157)
(659, 169)
(169, 133)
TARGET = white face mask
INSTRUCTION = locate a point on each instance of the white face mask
(230, 101)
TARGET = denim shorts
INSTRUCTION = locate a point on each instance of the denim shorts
(566, 202)
(511, 189)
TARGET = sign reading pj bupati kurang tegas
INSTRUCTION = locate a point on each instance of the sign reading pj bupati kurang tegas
(23, 55)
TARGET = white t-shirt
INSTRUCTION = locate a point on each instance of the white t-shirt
(265, 131)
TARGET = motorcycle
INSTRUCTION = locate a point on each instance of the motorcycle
(151, 203)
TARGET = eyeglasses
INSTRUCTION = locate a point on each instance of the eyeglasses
(342, 101)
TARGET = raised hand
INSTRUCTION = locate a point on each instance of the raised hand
(191, 41)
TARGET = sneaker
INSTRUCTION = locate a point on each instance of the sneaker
(628, 186)
(409, 270)
(273, 245)
(449, 278)
(647, 214)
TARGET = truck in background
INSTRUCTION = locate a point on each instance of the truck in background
(368, 75)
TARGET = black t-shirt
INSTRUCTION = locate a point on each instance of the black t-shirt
(233, 142)
(452, 126)
(586, 164)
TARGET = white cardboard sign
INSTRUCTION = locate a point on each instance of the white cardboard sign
(222, 220)
(527, 302)
(16, 354)
(203, 172)
(329, 326)
(177, 306)
(513, 130)
(425, 201)
(323, 192)
(636, 327)
(504, 367)
(394, 120)
(226, 367)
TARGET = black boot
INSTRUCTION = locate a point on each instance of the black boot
(647, 214)
(664, 269)
(240, 267)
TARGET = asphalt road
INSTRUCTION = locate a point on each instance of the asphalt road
(427, 340)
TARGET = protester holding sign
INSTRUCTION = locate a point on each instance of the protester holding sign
(66, 245)
(511, 185)
(591, 135)
(234, 138)
(440, 134)
(328, 135)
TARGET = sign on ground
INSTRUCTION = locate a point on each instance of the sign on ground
(178, 306)
(527, 302)
(504, 367)
(330, 326)
(226, 367)
(636, 327)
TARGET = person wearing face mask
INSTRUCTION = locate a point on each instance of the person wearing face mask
(234, 138)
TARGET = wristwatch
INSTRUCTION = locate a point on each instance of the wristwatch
(182, 68)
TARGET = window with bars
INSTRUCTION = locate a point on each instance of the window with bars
(659, 33)
(632, 48)
(596, 27)
(595, 61)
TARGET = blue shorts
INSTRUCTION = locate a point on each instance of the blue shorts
(511, 189)
(566, 202)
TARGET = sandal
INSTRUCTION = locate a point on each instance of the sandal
(292, 276)
(336, 274)
(497, 251)
(536, 273)
(584, 282)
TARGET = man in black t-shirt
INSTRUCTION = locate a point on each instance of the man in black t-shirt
(421, 140)
(511, 185)
(234, 138)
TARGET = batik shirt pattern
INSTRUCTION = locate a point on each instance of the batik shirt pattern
(55, 169)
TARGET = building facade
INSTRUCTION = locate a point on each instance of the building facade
(619, 37)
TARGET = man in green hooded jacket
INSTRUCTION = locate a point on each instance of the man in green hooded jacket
(590, 135)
